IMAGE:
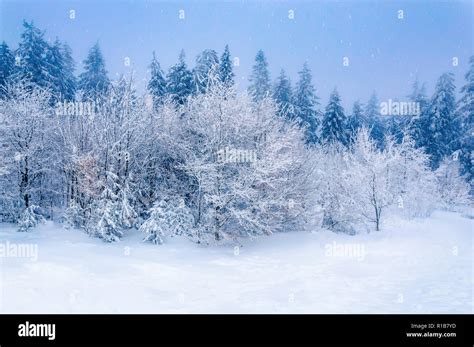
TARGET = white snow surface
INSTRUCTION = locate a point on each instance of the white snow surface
(417, 266)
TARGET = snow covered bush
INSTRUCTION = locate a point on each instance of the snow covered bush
(167, 219)
(453, 188)
(30, 218)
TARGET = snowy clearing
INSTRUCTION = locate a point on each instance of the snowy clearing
(421, 266)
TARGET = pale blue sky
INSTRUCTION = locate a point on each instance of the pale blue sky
(385, 53)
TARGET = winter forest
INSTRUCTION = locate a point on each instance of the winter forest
(194, 156)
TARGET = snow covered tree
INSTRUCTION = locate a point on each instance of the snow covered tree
(356, 120)
(56, 67)
(207, 65)
(167, 218)
(26, 131)
(31, 54)
(179, 81)
(372, 114)
(282, 94)
(466, 115)
(334, 126)
(418, 124)
(69, 79)
(30, 218)
(453, 187)
(74, 216)
(105, 216)
(93, 82)
(157, 84)
(306, 103)
(259, 87)
(443, 128)
(226, 72)
(242, 165)
(7, 67)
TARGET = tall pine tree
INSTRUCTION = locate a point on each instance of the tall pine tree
(283, 96)
(179, 81)
(356, 120)
(207, 67)
(306, 103)
(334, 126)
(466, 115)
(418, 125)
(226, 72)
(259, 87)
(7, 67)
(31, 56)
(93, 82)
(70, 80)
(157, 84)
(442, 127)
(372, 114)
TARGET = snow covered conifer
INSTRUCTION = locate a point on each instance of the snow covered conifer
(466, 114)
(306, 103)
(443, 128)
(207, 65)
(374, 122)
(283, 96)
(226, 72)
(356, 120)
(157, 84)
(30, 218)
(7, 67)
(31, 55)
(334, 126)
(93, 82)
(179, 81)
(259, 87)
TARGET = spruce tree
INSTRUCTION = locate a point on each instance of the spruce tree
(157, 84)
(179, 81)
(283, 96)
(93, 82)
(356, 120)
(442, 127)
(372, 113)
(70, 80)
(7, 67)
(306, 103)
(31, 56)
(207, 66)
(56, 67)
(334, 121)
(226, 72)
(466, 115)
(259, 87)
(418, 124)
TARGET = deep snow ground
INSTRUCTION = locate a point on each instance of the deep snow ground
(420, 266)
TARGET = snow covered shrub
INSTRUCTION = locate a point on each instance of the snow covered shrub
(30, 218)
(74, 216)
(105, 220)
(453, 188)
(335, 188)
(397, 175)
(167, 219)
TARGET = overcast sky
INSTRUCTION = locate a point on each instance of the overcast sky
(385, 53)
